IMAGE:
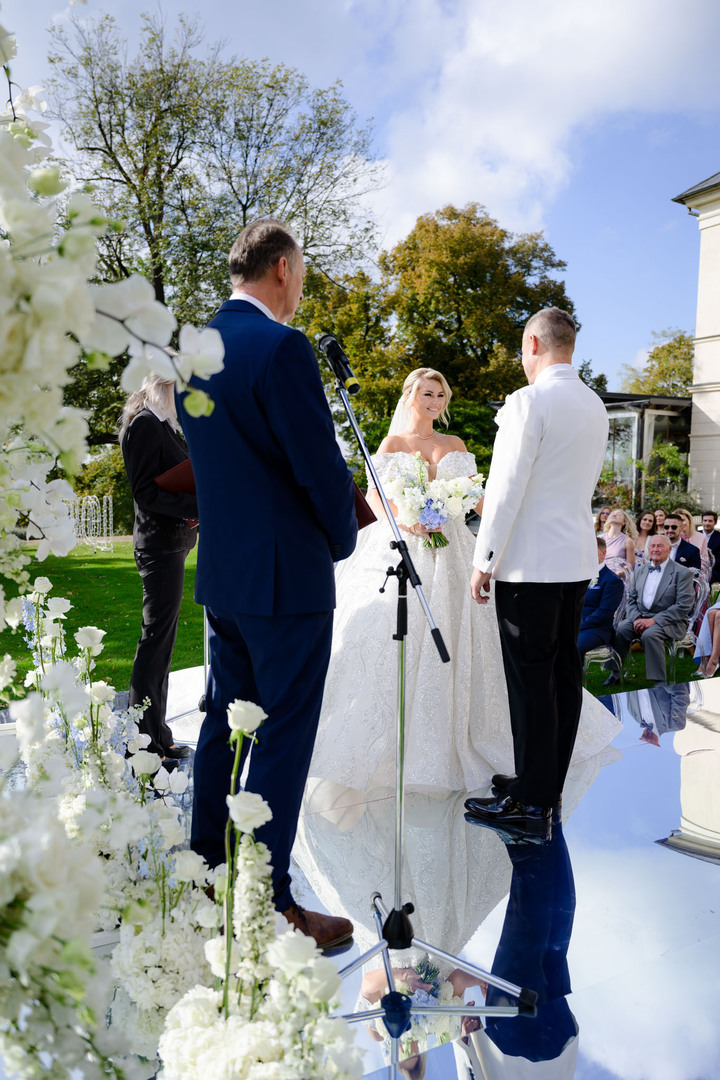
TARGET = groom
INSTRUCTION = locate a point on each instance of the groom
(536, 540)
(276, 508)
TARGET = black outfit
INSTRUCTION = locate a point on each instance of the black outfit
(688, 554)
(539, 624)
(162, 539)
(713, 541)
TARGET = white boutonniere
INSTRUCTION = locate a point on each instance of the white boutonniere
(501, 410)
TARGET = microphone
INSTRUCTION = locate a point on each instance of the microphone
(338, 361)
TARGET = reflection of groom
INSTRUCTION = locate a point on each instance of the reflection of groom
(536, 539)
(276, 507)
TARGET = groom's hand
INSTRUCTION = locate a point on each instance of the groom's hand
(480, 586)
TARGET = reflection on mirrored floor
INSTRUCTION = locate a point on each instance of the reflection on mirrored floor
(614, 923)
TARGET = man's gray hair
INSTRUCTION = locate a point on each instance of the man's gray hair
(258, 248)
(554, 327)
(661, 536)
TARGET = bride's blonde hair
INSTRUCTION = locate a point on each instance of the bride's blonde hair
(412, 382)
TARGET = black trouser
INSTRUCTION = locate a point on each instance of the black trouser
(163, 577)
(539, 624)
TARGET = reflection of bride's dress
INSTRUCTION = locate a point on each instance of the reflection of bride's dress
(457, 718)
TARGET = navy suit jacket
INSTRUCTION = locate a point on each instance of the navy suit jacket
(688, 555)
(601, 603)
(713, 541)
(275, 498)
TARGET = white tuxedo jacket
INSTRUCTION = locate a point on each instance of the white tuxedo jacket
(537, 521)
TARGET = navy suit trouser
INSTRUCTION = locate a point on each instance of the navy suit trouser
(279, 662)
(591, 639)
(539, 624)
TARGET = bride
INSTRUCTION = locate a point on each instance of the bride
(457, 722)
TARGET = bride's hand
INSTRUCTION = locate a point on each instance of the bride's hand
(418, 530)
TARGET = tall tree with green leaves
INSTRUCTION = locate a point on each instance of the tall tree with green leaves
(184, 146)
(668, 370)
(462, 289)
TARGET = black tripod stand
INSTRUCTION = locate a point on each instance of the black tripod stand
(394, 928)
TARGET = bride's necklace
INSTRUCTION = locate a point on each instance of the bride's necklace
(414, 435)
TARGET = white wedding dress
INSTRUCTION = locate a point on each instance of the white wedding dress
(456, 714)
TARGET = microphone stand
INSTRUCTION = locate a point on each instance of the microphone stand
(394, 928)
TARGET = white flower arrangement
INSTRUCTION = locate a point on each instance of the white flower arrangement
(432, 502)
(271, 1015)
(95, 841)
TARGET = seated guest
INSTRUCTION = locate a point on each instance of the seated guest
(690, 533)
(660, 515)
(707, 649)
(646, 527)
(660, 602)
(709, 521)
(601, 519)
(601, 602)
(620, 536)
(681, 551)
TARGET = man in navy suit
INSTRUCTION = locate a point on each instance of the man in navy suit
(681, 550)
(602, 600)
(709, 521)
(276, 508)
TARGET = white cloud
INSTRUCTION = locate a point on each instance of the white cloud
(508, 87)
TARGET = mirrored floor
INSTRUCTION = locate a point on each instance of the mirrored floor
(614, 923)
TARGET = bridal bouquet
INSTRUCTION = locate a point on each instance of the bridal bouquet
(431, 502)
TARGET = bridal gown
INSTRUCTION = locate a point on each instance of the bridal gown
(456, 714)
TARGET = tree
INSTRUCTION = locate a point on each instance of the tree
(668, 370)
(462, 289)
(185, 149)
(598, 382)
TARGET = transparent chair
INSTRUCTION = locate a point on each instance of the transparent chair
(604, 653)
(688, 641)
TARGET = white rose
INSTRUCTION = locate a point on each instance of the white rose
(215, 952)
(90, 637)
(189, 866)
(292, 952)
(57, 606)
(42, 585)
(245, 716)
(248, 810)
(322, 982)
(100, 692)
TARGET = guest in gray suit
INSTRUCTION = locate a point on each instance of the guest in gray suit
(659, 604)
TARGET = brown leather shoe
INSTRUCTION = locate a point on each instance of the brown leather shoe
(328, 930)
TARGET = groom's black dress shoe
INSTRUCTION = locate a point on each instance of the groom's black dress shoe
(504, 811)
(501, 782)
(613, 680)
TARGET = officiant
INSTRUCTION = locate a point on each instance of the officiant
(164, 531)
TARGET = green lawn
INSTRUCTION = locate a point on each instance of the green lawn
(635, 674)
(105, 590)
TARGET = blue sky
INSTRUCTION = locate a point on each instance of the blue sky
(579, 119)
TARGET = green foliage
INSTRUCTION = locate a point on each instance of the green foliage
(461, 289)
(612, 492)
(185, 146)
(454, 295)
(666, 478)
(668, 370)
(598, 382)
(104, 474)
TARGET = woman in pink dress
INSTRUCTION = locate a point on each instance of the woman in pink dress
(620, 536)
